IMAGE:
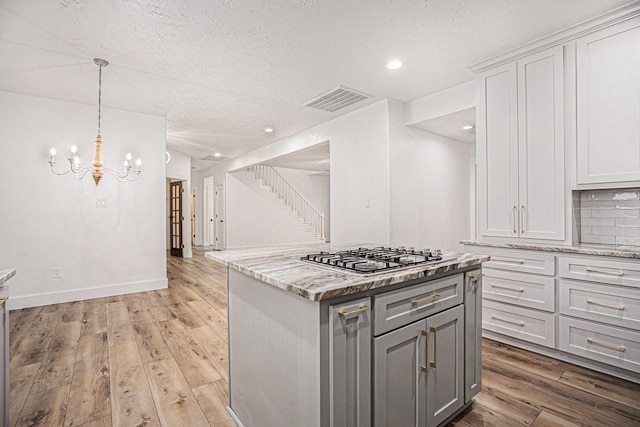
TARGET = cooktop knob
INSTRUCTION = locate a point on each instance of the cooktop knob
(437, 252)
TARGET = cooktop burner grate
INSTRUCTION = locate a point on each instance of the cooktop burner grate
(375, 260)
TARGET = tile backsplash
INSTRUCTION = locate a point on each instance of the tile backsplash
(610, 216)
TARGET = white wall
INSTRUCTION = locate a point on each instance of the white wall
(255, 218)
(430, 186)
(179, 168)
(359, 172)
(441, 103)
(315, 188)
(49, 221)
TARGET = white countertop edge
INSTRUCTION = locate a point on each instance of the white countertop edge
(6, 275)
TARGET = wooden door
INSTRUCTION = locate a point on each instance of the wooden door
(176, 218)
(608, 100)
(445, 379)
(497, 152)
(399, 385)
(350, 364)
(541, 190)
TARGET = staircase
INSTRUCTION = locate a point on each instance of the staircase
(297, 205)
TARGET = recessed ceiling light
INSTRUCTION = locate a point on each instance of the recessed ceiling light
(216, 154)
(394, 64)
(467, 127)
(268, 129)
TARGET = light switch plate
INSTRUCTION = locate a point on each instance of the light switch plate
(101, 203)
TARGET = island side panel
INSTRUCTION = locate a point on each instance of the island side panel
(274, 354)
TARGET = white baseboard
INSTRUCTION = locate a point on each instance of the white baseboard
(25, 301)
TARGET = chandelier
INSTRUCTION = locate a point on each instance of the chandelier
(97, 170)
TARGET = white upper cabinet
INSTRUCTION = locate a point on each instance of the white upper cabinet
(520, 148)
(608, 101)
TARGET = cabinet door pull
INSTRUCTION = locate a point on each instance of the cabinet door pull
(349, 313)
(435, 347)
(515, 261)
(515, 214)
(417, 303)
(507, 321)
(476, 276)
(616, 307)
(427, 363)
(425, 368)
(3, 300)
(522, 219)
(612, 347)
(507, 288)
(613, 273)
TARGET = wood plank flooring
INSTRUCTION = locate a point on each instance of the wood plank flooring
(159, 358)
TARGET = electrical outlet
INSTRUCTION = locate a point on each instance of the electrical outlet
(56, 272)
(101, 203)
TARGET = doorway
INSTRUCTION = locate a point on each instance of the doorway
(175, 218)
(219, 214)
(209, 214)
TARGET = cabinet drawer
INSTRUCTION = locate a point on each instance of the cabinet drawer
(600, 270)
(394, 309)
(520, 261)
(606, 344)
(604, 303)
(526, 290)
(523, 323)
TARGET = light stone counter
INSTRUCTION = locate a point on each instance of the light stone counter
(6, 275)
(282, 268)
(581, 248)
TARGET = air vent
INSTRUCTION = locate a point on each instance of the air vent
(336, 99)
(212, 158)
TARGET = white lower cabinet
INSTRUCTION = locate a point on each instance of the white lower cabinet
(419, 371)
(607, 344)
(529, 325)
(350, 363)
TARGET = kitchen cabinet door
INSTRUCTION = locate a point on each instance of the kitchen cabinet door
(350, 364)
(399, 385)
(497, 151)
(473, 334)
(445, 377)
(541, 190)
(608, 101)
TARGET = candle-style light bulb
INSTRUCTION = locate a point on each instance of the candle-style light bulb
(138, 162)
(129, 156)
(74, 149)
(52, 152)
(126, 163)
(76, 160)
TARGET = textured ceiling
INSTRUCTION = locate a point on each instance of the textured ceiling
(220, 71)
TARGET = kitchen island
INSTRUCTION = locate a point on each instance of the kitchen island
(314, 346)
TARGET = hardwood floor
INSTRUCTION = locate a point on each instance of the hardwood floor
(160, 359)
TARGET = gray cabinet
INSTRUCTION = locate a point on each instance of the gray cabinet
(4, 369)
(473, 334)
(350, 364)
(419, 371)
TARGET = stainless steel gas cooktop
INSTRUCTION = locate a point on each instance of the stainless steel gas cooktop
(376, 260)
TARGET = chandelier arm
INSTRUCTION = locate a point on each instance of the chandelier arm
(121, 176)
(57, 173)
(85, 170)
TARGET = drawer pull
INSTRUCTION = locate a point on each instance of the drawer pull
(612, 347)
(507, 321)
(507, 288)
(349, 313)
(515, 261)
(476, 276)
(417, 303)
(617, 307)
(613, 273)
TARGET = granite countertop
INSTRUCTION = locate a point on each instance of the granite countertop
(282, 268)
(579, 248)
(6, 275)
